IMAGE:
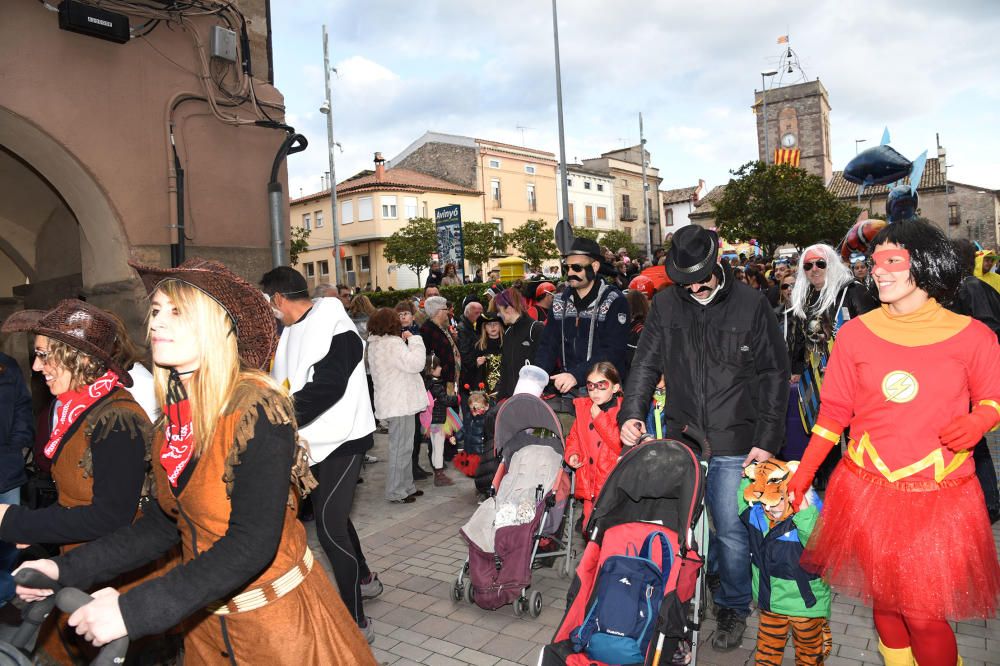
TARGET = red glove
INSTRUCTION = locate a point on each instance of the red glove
(965, 431)
(825, 435)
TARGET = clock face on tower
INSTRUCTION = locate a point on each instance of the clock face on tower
(788, 140)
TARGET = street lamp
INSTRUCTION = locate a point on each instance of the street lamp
(327, 110)
(856, 142)
(763, 97)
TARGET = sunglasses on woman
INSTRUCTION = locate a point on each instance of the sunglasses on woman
(819, 263)
(787, 285)
(598, 386)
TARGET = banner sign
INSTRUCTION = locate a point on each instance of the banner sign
(448, 220)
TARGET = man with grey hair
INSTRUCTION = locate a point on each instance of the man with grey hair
(324, 290)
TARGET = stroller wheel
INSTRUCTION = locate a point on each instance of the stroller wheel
(520, 605)
(457, 591)
(535, 603)
(469, 595)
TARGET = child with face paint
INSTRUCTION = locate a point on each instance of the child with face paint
(905, 525)
(594, 443)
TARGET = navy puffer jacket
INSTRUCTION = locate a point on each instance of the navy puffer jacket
(17, 430)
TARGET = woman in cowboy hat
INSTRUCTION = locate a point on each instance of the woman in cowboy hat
(99, 437)
(222, 462)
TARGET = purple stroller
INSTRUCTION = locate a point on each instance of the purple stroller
(530, 494)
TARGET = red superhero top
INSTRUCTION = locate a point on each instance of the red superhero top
(897, 381)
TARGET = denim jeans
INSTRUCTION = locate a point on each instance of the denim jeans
(12, 496)
(399, 466)
(729, 547)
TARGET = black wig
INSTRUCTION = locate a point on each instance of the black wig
(934, 265)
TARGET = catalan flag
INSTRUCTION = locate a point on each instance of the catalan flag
(787, 156)
(783, 39)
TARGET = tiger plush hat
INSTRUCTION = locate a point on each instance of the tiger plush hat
(769, 484)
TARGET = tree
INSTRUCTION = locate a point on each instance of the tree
(777, 204)
(299, 243)
(586, 232)
(534, 241)
(616, 238)
(481, 241)
(413, 245)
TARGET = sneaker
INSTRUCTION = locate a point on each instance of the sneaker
(367, 630)
(406, 500)
(370, 459)
(729, 633)
(682, 655)
(372, 588)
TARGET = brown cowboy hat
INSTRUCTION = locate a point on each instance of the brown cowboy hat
(82, 326)
(256, 333)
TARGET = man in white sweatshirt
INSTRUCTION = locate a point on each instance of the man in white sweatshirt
(320, 360)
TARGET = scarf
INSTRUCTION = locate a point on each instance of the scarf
(75, 403)
(178, 445)
(929, 324)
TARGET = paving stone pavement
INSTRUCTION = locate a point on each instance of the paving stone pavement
(416, 550)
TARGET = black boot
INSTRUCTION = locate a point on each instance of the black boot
(419, 473)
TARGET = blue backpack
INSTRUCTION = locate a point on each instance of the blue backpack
(626, 599)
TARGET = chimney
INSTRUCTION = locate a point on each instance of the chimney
(942, 159)
(379, 167)
(701, 188)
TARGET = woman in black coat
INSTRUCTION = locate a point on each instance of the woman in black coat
(17, 431)
(519, 340)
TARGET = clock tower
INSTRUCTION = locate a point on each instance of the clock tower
(798, 117)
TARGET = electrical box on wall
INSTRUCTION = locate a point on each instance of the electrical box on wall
(222, 44)
(93, 22)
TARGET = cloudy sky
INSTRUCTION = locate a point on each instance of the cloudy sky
(483, 69)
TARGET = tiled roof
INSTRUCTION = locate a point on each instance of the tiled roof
(706, 206)
(932, 178)
(679, 195)
(394, 179)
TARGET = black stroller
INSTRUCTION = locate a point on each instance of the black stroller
(657, 486)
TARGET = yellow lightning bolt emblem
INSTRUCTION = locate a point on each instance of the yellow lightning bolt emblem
(899, 386)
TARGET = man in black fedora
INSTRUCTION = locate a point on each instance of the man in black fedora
(717, 344)
(589, 322)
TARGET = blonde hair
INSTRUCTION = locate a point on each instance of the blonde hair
(484, 338)
(219, 371)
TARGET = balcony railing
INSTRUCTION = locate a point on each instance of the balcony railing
(629, 214)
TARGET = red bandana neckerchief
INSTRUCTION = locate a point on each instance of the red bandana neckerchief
(178, 445)
(75, 403)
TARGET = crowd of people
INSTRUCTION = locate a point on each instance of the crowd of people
(183, 488)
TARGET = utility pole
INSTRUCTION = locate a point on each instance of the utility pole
(327, 108)
(563, 177)
(645, 192)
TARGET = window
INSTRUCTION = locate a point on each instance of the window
(670, 217)
(363, 263)
(348, 264)
(586, 184)
(494, 164)
(318, 216)
(305, 222)
(588, 217)
(529, 169)
(495, 191)
(324, 268)
(624, 182)
(310, 270)
(569, 182)
(600, 187)
(602, 212)
(954, 217)
(365, 209)
(498, 223)
(347, 212)
(389, 207)
(532, 202)
(410, 207)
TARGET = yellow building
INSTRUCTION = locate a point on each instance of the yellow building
(371, 207)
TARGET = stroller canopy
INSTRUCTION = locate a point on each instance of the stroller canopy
(523, 412)
(659, 481)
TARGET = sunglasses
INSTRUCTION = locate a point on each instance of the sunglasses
(42, 355)
(598, 386)
(787, 286)
(819, 263)
(576, 268)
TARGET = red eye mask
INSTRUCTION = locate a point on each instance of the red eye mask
(892, 261)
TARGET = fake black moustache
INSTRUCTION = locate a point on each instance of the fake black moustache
(701, 290)
(573, 278)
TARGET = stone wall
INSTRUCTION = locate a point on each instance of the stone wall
(456, 164)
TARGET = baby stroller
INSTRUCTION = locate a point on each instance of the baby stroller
(531, 491)
(654, 494)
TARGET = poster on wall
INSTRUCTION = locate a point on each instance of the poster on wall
(448, 220)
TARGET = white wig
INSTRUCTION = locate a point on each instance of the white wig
(837, 275)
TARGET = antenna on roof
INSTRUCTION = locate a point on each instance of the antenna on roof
(521, 129)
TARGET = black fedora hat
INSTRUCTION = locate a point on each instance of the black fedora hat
(586, 247)
(693, 255)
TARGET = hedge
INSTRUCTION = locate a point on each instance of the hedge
(454, 294)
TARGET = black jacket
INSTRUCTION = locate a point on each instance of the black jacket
(442, 401)
(468, 336)
(980, 301)
(519, 343)
(725, 366)
(17, 429)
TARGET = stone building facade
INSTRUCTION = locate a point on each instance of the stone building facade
(798, 116)
(624, 167)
